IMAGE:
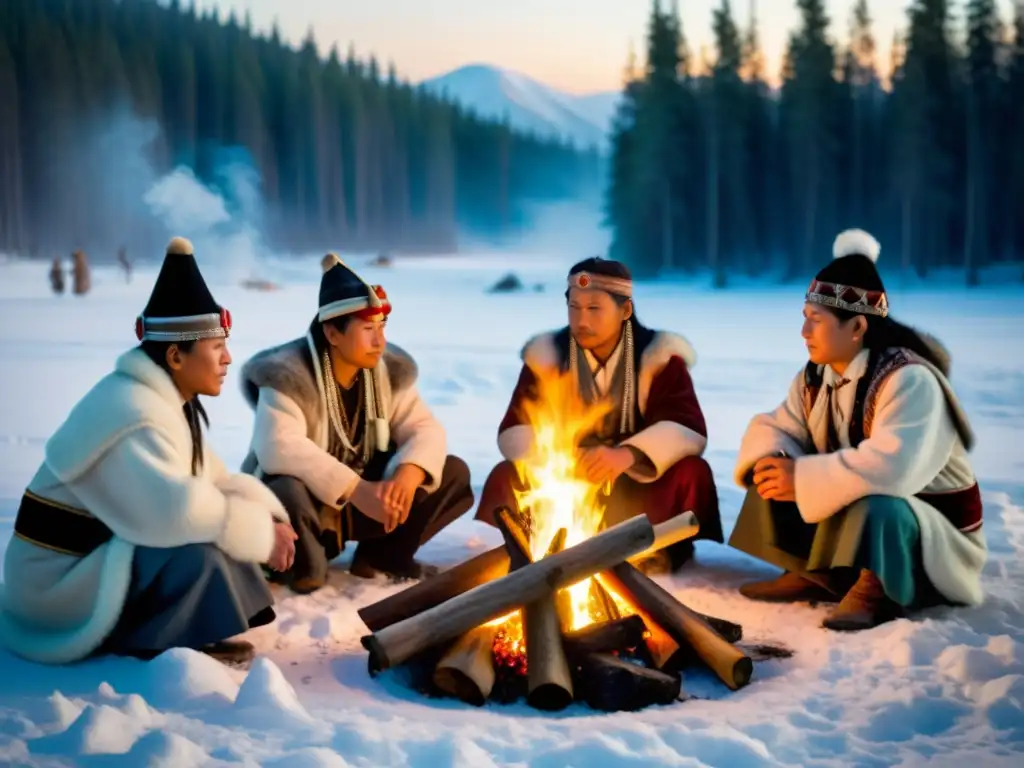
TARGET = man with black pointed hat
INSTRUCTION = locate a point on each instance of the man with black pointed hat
(344, 439)
(133, 537)
(859, 483)
(647, 450)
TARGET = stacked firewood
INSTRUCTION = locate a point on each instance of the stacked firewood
(447, 632)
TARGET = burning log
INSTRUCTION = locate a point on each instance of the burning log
(615, 635)
(610, 684)
(549, 681)
(399, 641)
(684, 625)
(679, 528)
(516, 541)
(730, 632)
(467, 671)
(436, 590)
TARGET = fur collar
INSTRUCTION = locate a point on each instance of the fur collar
(137, 394)
(291, 369)
(541, 352)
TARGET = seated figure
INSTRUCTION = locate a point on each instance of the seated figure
(133, 537)
(345, 441)
(648, 449)
(859, 483)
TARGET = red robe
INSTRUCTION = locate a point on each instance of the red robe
(670, 432)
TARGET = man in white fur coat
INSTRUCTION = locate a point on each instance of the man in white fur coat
(345, 441)
(648, 450)
(860, 486)
(133, 537)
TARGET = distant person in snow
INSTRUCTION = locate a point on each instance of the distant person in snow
(649, 448)
(133, 537)
(344, 439)
(859, 483)
(125, 264)
(57, 276)
(82, 277)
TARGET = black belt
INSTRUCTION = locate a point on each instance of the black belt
(59, 527)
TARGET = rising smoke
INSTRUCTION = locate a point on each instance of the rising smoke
(128, 202)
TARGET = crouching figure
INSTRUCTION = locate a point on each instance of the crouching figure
(133, 537)
(859, 483)
(345, 441)
(647, 450)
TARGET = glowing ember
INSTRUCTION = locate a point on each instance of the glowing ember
(557, 497)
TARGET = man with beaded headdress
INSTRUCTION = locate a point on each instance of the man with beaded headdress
(647, 451)
(133, 537)
(344, 439)
(859, 483)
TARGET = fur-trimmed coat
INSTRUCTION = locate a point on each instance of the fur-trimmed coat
(670, 424)
(915, 448)
(290, 434)
(124, 454)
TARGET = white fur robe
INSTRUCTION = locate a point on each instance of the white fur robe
(914, 448)
(290, 433)
(124, 454)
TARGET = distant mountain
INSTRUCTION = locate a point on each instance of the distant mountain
(529, 105)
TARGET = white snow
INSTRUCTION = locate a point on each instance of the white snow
(944, 687)
(529, 105)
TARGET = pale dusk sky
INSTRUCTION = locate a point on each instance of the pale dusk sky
(578, 46)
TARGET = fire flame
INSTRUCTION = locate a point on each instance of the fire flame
(556, 497)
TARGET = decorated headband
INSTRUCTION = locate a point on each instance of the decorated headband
(213, 325)
(619, 286)
(847, 297)
(851, 242)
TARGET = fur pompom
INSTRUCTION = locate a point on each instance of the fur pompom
(179, 246)
(329, 261)
(856, 241)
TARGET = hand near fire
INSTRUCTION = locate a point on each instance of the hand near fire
(774, 477)
(399, 491)
(389, 501)
(369, 498)
(603, 465)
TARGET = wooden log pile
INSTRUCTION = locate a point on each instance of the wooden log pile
(455, 634)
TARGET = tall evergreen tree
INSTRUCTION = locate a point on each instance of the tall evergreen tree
(983, 39)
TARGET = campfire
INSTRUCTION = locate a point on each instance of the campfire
(559, 612)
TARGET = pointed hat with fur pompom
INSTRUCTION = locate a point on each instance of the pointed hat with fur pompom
(343, 292)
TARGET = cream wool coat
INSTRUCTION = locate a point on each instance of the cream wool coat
(124, 454)
(291, 428)
(914, 448)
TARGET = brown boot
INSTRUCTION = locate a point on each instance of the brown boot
(788, 588)
(232, 653)
(306, 585)
(411, 571)
(865, 606)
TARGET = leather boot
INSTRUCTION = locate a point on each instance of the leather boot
(231, 653)
(414, 570)
(864, 606)
(788, 588)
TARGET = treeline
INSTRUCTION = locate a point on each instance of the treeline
(712, 168)
(347, 156)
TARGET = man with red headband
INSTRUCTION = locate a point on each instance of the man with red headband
(860, 486)
(647, 451)
(344, 440)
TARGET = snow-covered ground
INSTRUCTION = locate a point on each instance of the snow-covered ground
(943, 688)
